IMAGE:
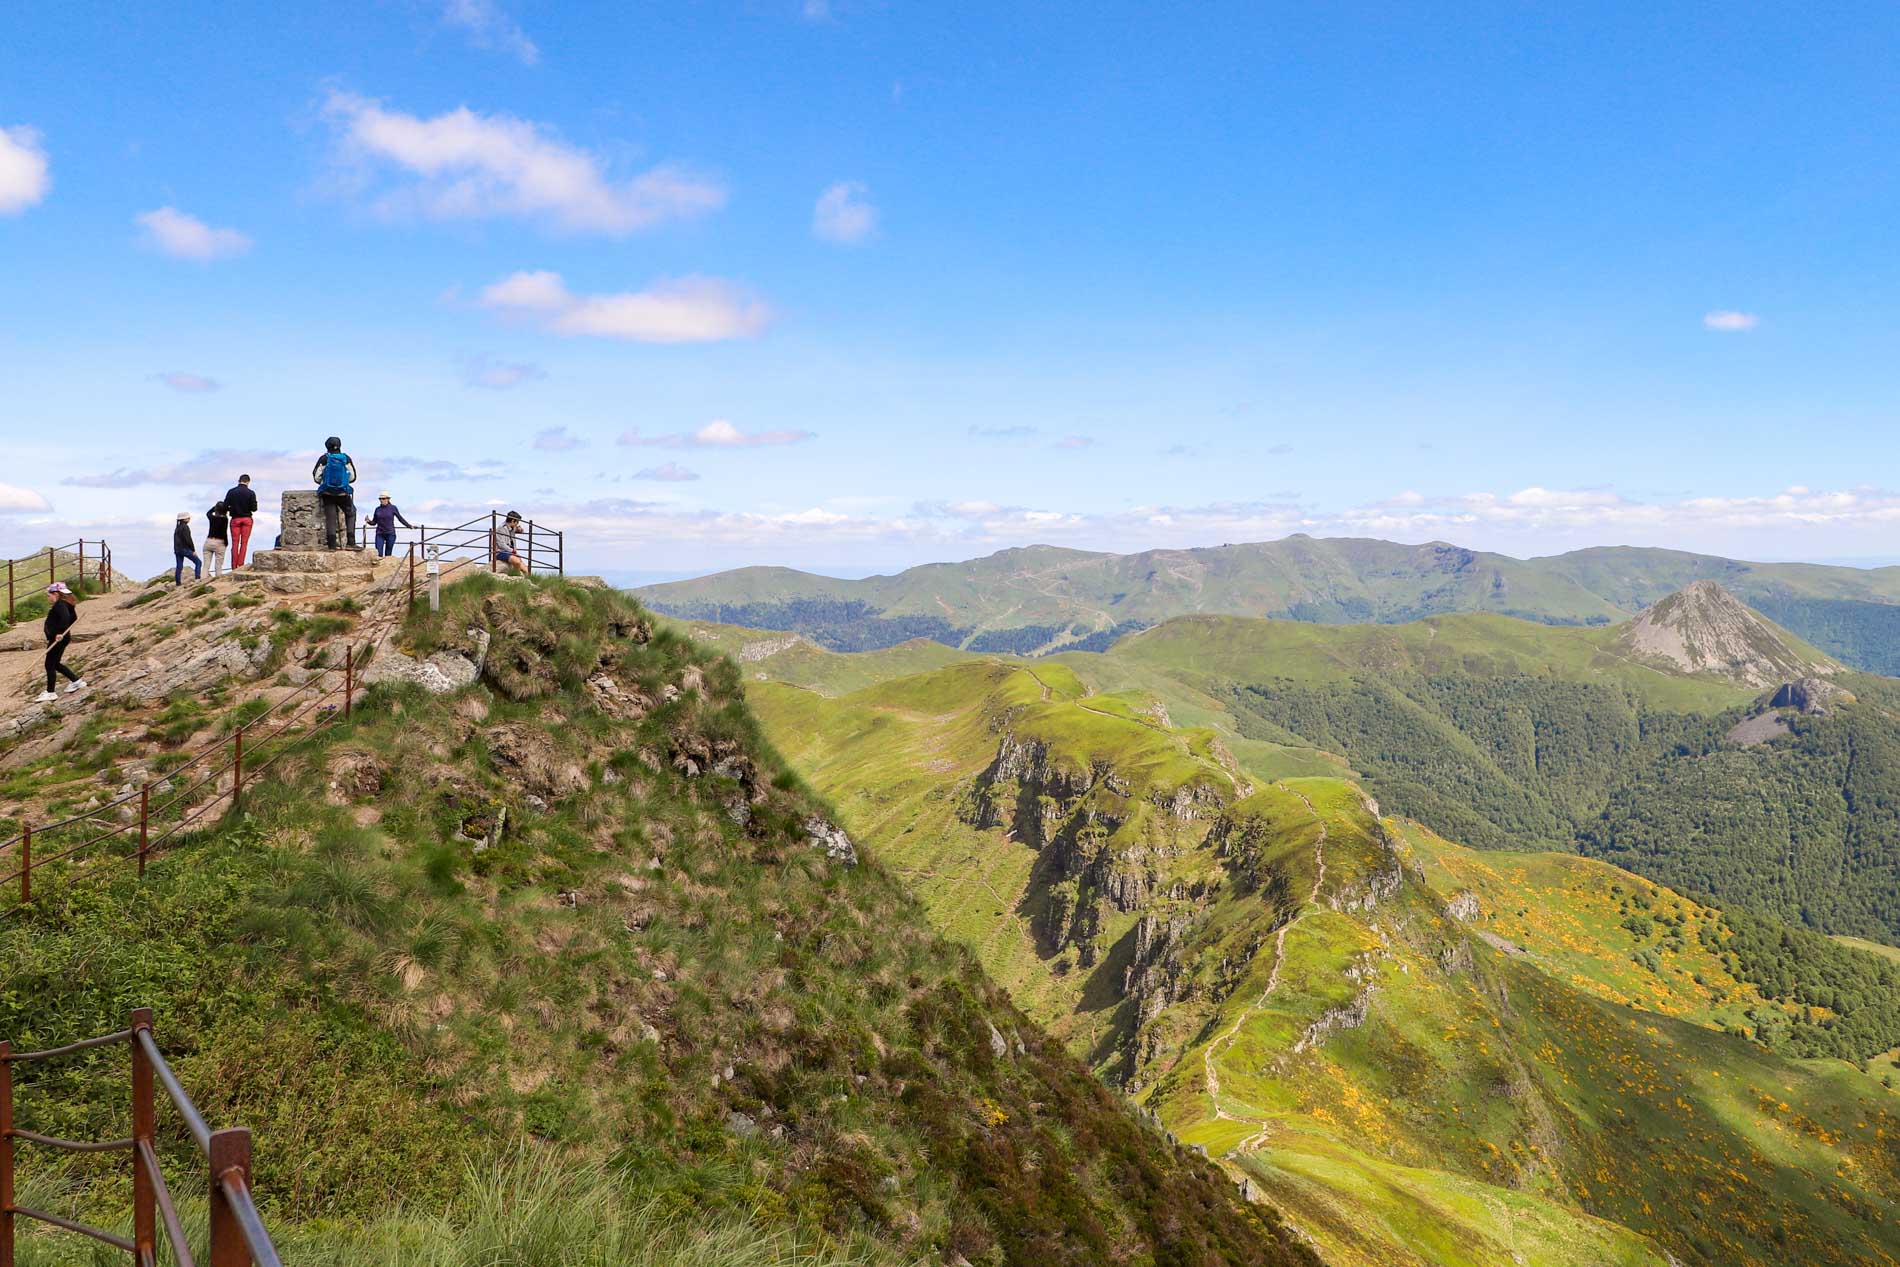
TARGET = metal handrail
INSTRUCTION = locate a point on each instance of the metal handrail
(238, 1234)
(49, 559)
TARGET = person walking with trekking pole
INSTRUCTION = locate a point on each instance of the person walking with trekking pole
(335, 477)
(242, 503)
(60, 618)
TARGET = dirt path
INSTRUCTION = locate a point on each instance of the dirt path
(1215, 1048)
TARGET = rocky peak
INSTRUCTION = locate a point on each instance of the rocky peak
(1705, 629)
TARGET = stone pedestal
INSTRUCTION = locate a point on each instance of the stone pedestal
(303, 521)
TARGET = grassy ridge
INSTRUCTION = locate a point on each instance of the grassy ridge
(1556, 1075)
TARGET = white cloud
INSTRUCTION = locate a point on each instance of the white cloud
(1728, 321)
(668, 472)
(673, 310)
(14, 500)
(498, 376)
(718, 434)
(467, 165)
(557, 440)
(189, 383)
(843, 215)
(25, 174)
(490, 28)
(1077, 442)
(186, 237)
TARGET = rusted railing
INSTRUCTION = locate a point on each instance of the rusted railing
(238, 1237)
(32, 574)
(247, 754)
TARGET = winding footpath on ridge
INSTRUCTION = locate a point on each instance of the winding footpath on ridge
(1226, 1040)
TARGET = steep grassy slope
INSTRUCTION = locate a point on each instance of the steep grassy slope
(1043, 598)
(1424, 1054)
(582, 909)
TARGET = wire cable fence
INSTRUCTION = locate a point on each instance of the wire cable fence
(238, 1237)
(31, 574)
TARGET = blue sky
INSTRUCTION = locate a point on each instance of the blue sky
(853, 285)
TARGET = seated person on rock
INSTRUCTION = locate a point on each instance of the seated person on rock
(335, 477)
(506, 548)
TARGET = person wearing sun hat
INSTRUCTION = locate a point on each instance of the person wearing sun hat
(62, 613)
(183, 547)
(507, 550)
(384, 520)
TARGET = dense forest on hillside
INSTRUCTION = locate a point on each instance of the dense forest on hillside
(1805, 828)
(1851, 998)
(1866, 635)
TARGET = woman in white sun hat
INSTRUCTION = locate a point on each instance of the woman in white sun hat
(61, 615)
(183, 547)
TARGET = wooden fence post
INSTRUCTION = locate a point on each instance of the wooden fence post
(230, 1150)
(6, 1154)
(144, 1132)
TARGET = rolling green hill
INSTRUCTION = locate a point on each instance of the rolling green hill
(1043, 598)
(567, 966)
(1423, 1053)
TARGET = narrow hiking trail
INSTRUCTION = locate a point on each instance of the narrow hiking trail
(1215, 1048)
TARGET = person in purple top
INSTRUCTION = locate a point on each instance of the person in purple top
(384, 520)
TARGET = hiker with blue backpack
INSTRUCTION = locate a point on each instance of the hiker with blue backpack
(335, 476)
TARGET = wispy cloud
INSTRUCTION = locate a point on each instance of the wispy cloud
(668, 473)
(844, 214)
(186, 237)
(815, 10)
(500, 376)
(1279, 450)
(189, 383)
(557, 440)
(1077, 442)
(676, 310)
(215, 466)
(16, 500)
(718, 434)
(488, 27)
(466, 165)
(1018, 432)
(443, 471)
(1728, 321)
(25, 172)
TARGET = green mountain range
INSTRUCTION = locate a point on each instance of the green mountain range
(1043, 599)
(1422, 1053)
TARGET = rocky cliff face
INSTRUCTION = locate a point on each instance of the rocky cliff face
(1706, 629)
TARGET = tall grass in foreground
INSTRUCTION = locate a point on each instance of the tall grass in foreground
(527, 1212)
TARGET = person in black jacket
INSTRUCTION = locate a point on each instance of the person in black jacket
(242, 503)
(60, 618)
(217, 537)
(183, 547)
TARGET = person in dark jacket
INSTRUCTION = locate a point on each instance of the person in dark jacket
(60, 618)
(183, 547)
(242, 503)
(217, 536)
(384, 520)
(335, 478)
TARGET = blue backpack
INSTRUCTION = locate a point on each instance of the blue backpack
(336, 473)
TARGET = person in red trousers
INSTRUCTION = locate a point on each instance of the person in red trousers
(242, 503)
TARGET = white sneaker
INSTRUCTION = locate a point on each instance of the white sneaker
(80, 685)
(45, 697)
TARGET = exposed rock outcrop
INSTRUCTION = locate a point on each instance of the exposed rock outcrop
(1705, 629)
(439, 674)
(1810, 695)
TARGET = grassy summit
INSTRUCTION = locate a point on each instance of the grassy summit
(567, 966)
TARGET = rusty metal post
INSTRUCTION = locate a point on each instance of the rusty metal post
(6, 1154)
(82, 564)
(145, 818)
(530, 547)
(230, 1151)
(144, 1131)
(412, 574)
(349, 681)
(26, 863)
(49, 565)
(560, 553)
(492, 565)
(237, 768)
(9, 591)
